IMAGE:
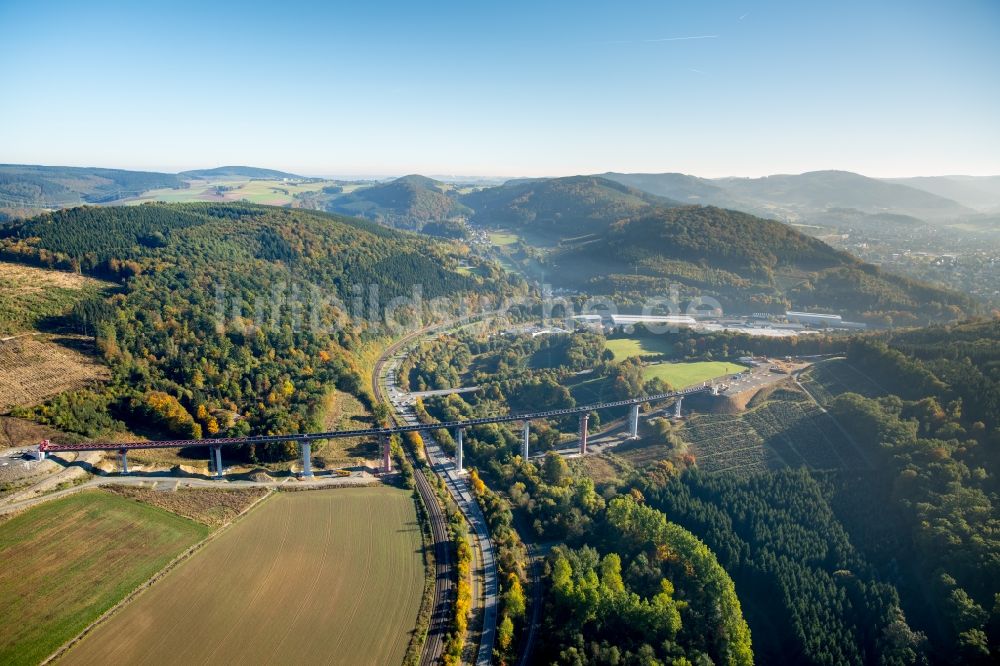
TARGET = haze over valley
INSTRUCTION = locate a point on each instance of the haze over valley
(693, 360)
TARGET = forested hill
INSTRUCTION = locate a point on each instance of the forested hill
(32, 186)
(927, 406)
(232, 308)
(747, 263)
(556, 208)
(408, 202)
(239, 172)
(797, 195)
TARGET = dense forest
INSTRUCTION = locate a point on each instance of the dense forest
(747, 264)
(232, 319)
(893, 564)
(409, 202)
(557, 208)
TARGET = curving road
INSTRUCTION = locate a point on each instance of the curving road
(443, 466)
(440, 620)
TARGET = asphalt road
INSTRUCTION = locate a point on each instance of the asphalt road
(440, 620)
(455, 481)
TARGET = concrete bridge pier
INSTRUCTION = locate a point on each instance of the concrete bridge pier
(525, 435)
(584, 418)
(386, 453)
(307, 470)
(633, 422)
(124, 460)
(458, 449)
(677, 407)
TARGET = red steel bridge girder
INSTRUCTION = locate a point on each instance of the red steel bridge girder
(379, 433)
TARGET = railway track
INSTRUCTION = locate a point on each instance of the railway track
(440, 620)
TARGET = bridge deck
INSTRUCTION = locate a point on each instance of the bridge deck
(370, 432)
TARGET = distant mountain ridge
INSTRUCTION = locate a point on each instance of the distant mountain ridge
(240, 172)
(795, 196)
(37, 186)
(979, 192)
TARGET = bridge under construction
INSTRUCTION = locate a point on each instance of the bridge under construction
(305, 440)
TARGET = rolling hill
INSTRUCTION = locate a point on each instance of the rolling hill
(34, 186)
(408, 202)
(239, 172)
(819, 190)
(557, 208)
(979, 192)
(246, 308)
(678, 186)
(747, 263)
(800, 196)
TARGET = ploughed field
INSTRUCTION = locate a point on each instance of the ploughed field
(332, 576)
(67, 561)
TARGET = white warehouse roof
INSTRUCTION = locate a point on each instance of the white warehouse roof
(685, 320)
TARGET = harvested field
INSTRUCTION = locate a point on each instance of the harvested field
(326, 576)
(67, 561)
(33, 368)
(205, 505)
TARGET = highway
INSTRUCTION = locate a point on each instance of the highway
(441, 607)
(442, 465)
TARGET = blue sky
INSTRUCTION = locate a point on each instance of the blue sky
(504, 88)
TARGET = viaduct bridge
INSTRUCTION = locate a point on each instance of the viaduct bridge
(305, 440)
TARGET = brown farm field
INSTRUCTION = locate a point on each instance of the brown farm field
(324, 576)
(205, 505)
(67, 561)
(33, 368)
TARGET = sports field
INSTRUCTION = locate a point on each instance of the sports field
(67, 561)
(680, 375)
(503, 238)
(624, 348)
(326, 576)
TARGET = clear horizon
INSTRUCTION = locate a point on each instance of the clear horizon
(735, 89)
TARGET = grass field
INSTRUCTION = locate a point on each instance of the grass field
(342, 411)
(272, 192)
(33, 368)
(503, 238)
(28, 295)
(624, 348)
(680, 375)
(67, 561)
(327, 576)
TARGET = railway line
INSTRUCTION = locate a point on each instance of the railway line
(440, 620)
(486, 594)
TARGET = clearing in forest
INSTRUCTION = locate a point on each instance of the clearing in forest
(29, 295)
(324, 576)
(34, 368)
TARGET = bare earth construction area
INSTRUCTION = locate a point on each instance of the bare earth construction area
(320, 576)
